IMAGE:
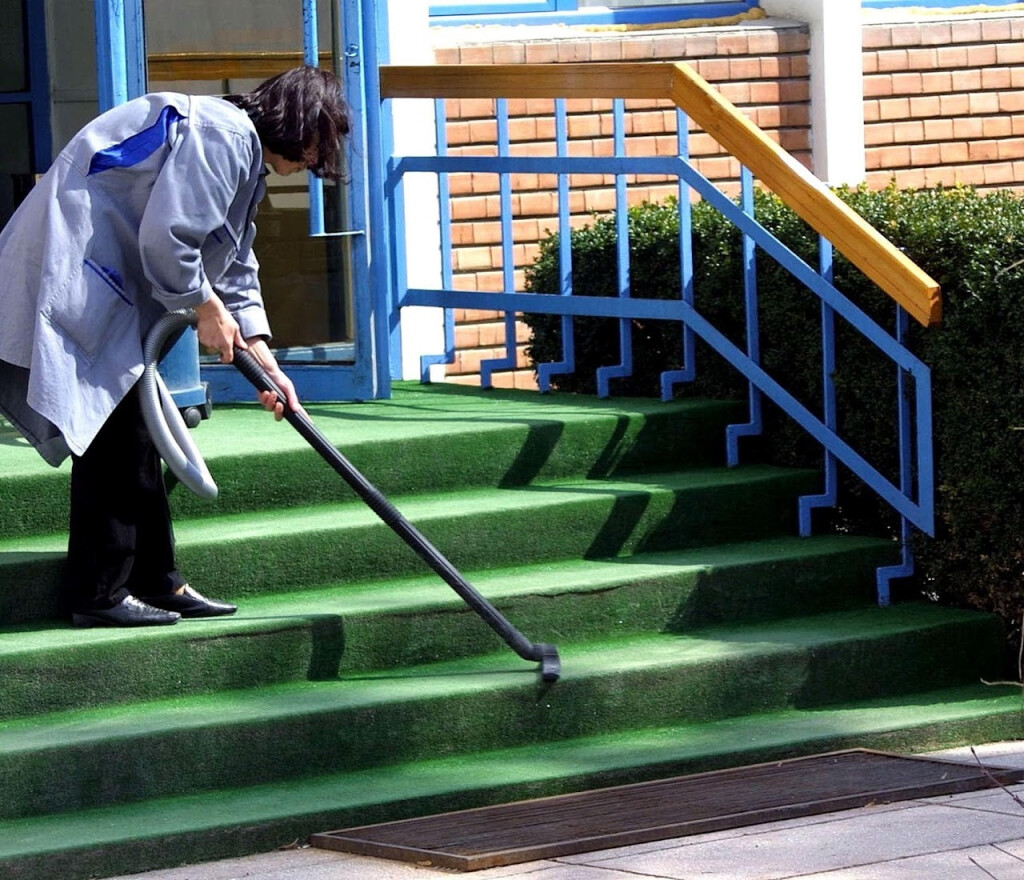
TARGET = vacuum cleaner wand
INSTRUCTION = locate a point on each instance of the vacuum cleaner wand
(544, 654)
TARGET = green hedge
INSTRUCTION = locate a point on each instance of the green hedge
(972, 244)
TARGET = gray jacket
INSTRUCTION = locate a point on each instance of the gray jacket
(149, 208)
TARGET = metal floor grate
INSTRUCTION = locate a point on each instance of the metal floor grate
(509, 834)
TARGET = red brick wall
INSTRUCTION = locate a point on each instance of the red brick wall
(944, 103)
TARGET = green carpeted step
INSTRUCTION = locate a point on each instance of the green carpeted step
(423, 439)
(165, 832)
(354, 686)
(258, 552)
(81, 759)
(319, 633)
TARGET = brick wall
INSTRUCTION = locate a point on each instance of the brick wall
(763, 70)
(944, 103)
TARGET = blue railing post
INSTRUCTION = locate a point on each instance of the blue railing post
(508, 269)
(625, 366)
(752, 427)
(445, 230)
(688, 353)
(828, 369)
(912, 499)
(568, 362)
(886, 573)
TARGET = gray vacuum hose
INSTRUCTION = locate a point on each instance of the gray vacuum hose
(166, 426)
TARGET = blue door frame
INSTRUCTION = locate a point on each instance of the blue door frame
(121, 72)
(37, 94)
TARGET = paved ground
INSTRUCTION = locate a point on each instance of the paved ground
(976, 835)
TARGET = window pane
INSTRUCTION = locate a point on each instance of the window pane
(16, 143)
(13, 57)
(15, 158)
(13, 189)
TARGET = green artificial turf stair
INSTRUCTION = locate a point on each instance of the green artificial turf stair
(696, 631)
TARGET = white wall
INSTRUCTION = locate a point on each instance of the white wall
(837, 90)
(422, 327)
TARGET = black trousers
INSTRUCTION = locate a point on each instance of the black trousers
(120, 538)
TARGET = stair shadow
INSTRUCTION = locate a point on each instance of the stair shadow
(327, 639)
(678, 527)
(30, 591)
(542, 439)
(327, 636)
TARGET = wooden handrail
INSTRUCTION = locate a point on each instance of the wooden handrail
(811, 199)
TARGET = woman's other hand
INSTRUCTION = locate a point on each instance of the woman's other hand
(259, 349)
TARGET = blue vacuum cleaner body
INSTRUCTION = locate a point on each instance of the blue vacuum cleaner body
(179, 368)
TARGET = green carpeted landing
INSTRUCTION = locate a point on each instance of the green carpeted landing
(696, 631)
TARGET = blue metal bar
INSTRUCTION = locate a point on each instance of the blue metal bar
(548, 303)
(111, 53)
(828, 368)
(886, 573)
(535, 12)
(311, 55)
(135, 49)
(668, 165)
(445, 207)
(370, 372)
(616, 307)
(625, 366)
(915, 511)
(925, 448)
(568, 362)
(379, 321)
(39, 87)
(688, 356)
(467, 7)
(752, 427)
(508, 268)
(710, 193)
(399, 268)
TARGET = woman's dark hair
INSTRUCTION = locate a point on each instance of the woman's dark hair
(298, 113)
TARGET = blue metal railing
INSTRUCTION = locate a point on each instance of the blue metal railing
(515, 12)
(912, 498)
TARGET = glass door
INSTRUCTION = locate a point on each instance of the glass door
(24, 102)
(311, 240)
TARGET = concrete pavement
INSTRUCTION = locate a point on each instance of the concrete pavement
(973, 835)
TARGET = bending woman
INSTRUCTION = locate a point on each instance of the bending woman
(149, 208)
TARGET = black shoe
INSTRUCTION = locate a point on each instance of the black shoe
(129, 612)
(190, 603)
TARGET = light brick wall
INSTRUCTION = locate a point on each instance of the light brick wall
(944, 103)
(763, 70)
